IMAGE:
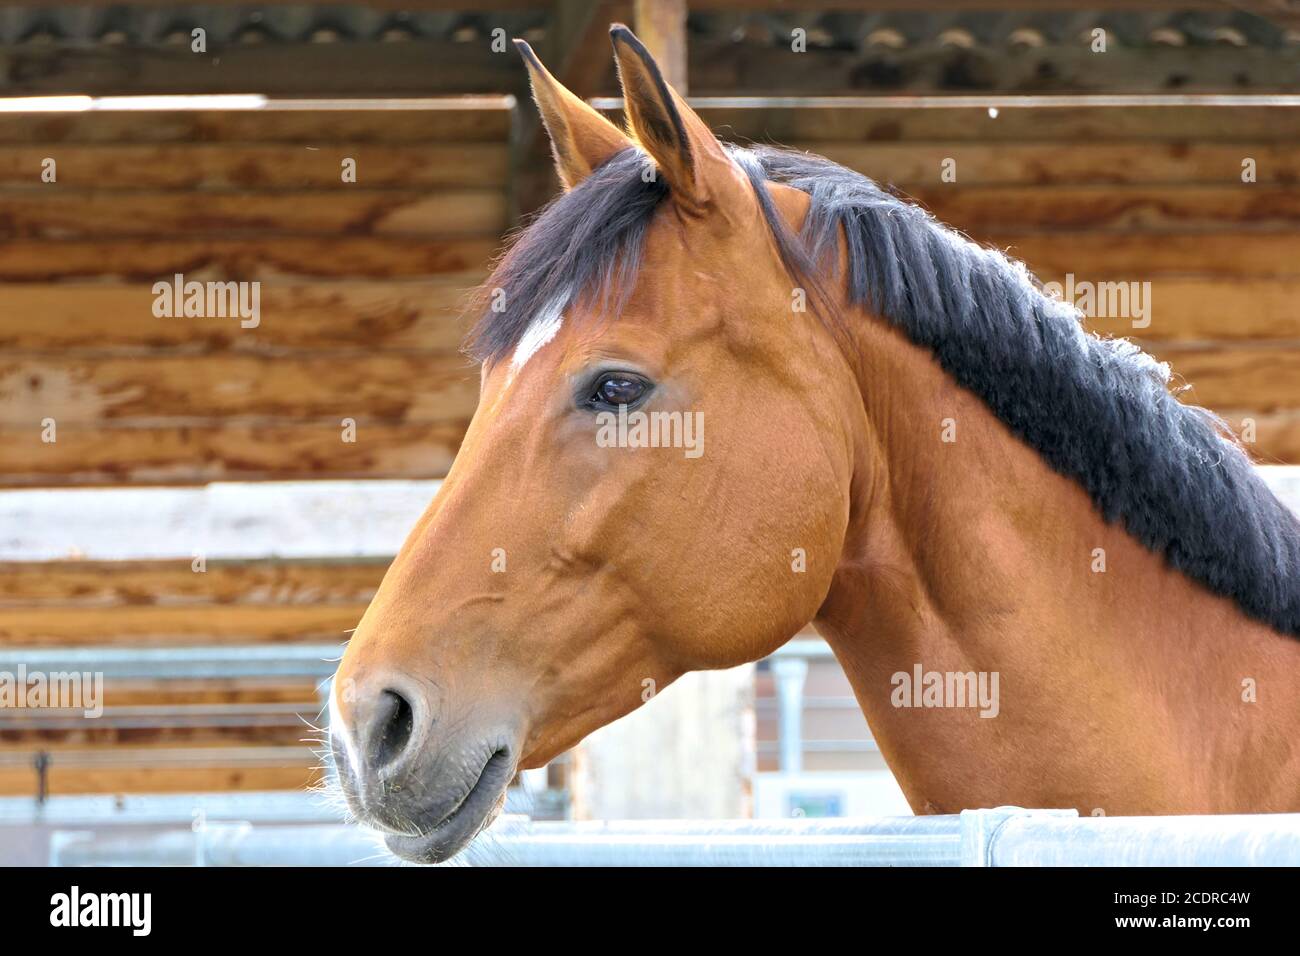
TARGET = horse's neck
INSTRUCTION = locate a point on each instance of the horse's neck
(1121, 681)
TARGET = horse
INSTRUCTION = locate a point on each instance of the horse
(909, 443)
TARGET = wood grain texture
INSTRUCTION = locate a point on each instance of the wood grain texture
(162, 625)
(412, 388)
(1075, 125)
(1050, 164)
(468, 120)
(1262, 378)
(1096, 256)
(245, 166)
(167, 770)
(1192, 309)
(145, 779)
(216, 450)
(988, 210)
(243, 259)
(74, 213)
(316, 315)
(108, 584)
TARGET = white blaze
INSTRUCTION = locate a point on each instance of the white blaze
(542, 329)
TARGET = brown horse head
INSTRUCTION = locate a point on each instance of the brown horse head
(655, 480)
(728, 391)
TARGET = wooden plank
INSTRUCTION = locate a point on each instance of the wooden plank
(351, 520)
(1040, 164)
(414, 388)
(185, 725)
(1260, 7)
(474, 119)
(1260, 378)
(243, 166)
(36, 260)
(217, 450)
(1215, 310)
(322, 315)
(421, 66)
(32, 584)
(1145, 208)
(884, 119)
(1277, 434)
(661, 26)
(720, 65)
(578, 51)
(174, 626)
(83, 213)
(1096, 256)
(21, 781)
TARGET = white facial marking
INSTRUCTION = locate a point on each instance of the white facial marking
(542, 329)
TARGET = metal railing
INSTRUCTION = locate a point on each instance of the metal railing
(1006, 836)
(307, 661)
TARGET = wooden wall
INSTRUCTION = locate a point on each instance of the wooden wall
(361, 284)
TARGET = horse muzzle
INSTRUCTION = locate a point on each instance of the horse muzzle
(428, 781)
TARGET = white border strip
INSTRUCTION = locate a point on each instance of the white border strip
(226, 520)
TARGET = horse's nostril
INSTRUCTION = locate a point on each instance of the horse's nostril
(393, 725)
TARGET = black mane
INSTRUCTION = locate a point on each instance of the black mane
(1097, 410)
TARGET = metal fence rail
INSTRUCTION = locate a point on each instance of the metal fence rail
(309, 661)
(1006, 836)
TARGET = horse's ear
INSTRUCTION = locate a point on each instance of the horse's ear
(581, 139)
(689, 156)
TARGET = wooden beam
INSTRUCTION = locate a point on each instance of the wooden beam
(169, 389)
(721, 67)
(82, 213)
(196, 453)
(942, 119)
(276, 166)
(579, 46)
(39, 260)
(117, 318)
(1085, 163)
(105, 584)
(1188, 309)
(1127, 256)
(417, 67)
(579, 55)
(661, 26)
(1154, 208)
(307, 122)
(166, 770)
(178, 626)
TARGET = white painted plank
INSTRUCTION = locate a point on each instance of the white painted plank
(224, 520)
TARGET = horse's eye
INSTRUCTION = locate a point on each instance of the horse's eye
(619, 388)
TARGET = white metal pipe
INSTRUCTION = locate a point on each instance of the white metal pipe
(84, 811)
(1006, 836)
(1264, 839)
(790, 674)
(225, 845)
(175, 663)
